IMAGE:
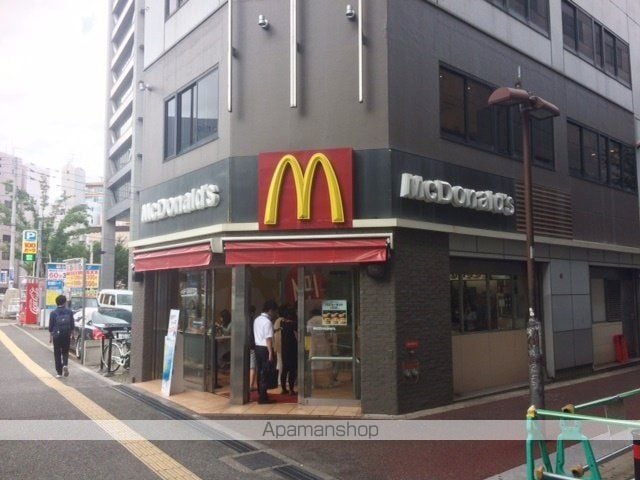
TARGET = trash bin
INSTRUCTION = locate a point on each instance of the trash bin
(620, 346)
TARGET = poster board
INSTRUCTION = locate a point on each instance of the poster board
(172, 366)
(334, 312)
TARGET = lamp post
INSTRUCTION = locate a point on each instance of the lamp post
(530, 105)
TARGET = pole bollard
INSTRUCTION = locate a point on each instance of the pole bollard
(102, 364)
(636, 453)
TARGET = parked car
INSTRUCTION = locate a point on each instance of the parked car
(116, 298)
(90, 306)
(100, 322)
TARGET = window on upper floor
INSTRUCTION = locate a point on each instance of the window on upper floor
(465, 116)
(171, 6)
(534, 13)
(594, 43)
(191, 115)
(599, 158)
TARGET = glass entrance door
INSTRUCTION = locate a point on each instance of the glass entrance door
(330, 333)
(193, 306)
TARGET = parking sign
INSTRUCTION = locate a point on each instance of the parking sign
(29, 245)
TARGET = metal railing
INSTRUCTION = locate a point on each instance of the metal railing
(571, 429)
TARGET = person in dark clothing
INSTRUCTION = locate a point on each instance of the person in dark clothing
(60, 328)
(289, 348)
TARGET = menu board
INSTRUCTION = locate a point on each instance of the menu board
(334, 312)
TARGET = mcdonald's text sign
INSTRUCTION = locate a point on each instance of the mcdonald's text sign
(305, 189)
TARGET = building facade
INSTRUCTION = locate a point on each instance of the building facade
(343, 160)
(124, 125)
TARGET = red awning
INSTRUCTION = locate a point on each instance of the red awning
(306, 252)
(182, 257)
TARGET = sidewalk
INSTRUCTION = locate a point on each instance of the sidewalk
(442, 460)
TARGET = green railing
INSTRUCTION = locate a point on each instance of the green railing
(571, 430)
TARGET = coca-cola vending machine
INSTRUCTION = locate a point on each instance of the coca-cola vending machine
(31, 304)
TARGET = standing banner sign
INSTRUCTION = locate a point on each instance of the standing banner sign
(172, 365)
(92, 280)
(55, 283)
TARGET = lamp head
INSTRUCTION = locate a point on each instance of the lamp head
(508, 96)
(143, 86)
(538, 107)
(263, 22)
(350, 13)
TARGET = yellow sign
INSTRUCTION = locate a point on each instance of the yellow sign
(303, 183)
(29, 247)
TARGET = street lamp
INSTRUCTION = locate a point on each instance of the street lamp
(530, 106)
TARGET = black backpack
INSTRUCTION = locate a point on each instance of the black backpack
(64, 323)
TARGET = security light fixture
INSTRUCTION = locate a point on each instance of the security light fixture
(263, 22)
(530, 106)
(350, 12)
(143, 86)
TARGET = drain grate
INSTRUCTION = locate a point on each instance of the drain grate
(293, 472)
(259, 460)
(235, 445)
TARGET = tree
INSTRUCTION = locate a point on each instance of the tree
(60, 230)
(122, 263)
(121, 260)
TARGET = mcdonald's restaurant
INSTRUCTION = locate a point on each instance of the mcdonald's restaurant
(393, 314)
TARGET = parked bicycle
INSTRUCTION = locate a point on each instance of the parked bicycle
(120, 354)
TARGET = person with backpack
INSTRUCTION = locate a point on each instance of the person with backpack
(60, 328)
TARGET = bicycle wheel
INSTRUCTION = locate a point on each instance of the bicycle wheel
(116, 356)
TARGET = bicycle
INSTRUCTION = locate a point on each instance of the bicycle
(120, 354)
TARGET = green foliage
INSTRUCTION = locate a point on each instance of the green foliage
(122, 262)
(60, 231)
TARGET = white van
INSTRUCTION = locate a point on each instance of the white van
(116, 298)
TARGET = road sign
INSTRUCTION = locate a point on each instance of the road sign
(29, 245)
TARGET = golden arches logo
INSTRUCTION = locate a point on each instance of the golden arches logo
(303, 183)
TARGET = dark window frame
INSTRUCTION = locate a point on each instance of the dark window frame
(514, 135)
(598, 56)
(606, 141)
(194, 142)
(506, 7)
(486, 317)
(168, 13)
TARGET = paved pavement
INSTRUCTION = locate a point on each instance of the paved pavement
(391, 460)
(30, 392)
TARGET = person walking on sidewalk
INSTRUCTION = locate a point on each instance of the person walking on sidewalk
(263, 335)
(60, 327)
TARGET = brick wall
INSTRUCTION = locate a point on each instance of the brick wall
(410, 303)
(142, 328)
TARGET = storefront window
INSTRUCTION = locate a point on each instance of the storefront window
(483, 302)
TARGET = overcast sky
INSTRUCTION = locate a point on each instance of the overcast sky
(52, 82)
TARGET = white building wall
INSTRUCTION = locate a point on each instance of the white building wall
(161, 36)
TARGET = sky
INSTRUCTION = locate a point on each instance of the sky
(53, 82)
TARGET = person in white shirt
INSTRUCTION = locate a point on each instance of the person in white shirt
(263, 336)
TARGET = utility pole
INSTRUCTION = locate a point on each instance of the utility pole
(12, 248)
(39, 252)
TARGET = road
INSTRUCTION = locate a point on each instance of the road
(31, 393)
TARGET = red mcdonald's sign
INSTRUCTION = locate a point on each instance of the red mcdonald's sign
(305, 189)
